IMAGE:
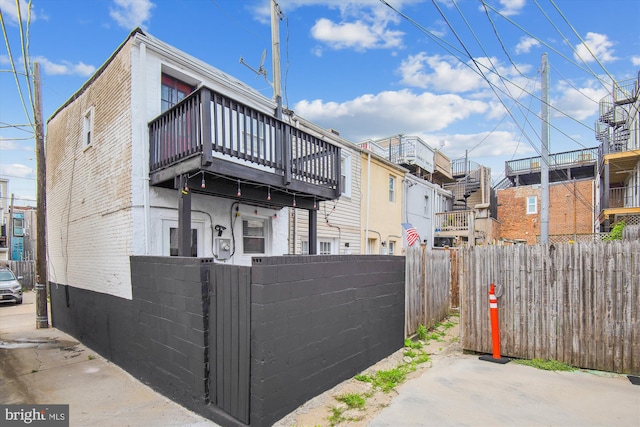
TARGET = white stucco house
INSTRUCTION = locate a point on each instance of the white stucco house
(159, 153)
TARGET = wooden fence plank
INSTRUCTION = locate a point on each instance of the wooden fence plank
(578, 303)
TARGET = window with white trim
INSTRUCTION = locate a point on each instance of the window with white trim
(87, 128)
(325, 248)
(304, 247)
(254, 236)
(392, 247)
(532, 205)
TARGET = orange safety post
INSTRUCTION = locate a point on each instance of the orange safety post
(495, 328)
(495, 324)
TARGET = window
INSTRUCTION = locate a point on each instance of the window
(392, 188)
(304, 247)
(87, 128)
(532, 205)
(173, 242)
(18, 227)
(173, 91)
(392, 247)
(325, 248)
(426, 205)
(345, 176)
(253, 236)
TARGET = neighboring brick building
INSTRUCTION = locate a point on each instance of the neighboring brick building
(571, 211)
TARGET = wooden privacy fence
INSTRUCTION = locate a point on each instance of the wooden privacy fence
(428, 287)
(575, 303)
(24, 269)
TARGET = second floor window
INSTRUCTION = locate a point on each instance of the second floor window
(532, 205)
(392, 188)
(173, 91)
(87, 128)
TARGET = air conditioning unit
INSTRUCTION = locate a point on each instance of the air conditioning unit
(443, 242)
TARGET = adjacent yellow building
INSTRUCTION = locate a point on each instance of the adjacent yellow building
(382, 204)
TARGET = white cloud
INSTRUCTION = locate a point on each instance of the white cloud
(130, 14)
(357, 35)
(17, 170)
(448, 74)
(9, 9)
(597, 45)
(383, 114)
(441, 73)
(7, 144)
(635, 60)
(65, 67)
(578, 103)
(525, 44)
(512, 7)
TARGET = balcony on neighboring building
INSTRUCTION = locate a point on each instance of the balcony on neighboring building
(414, 154)
(564, 166)
(228, 149)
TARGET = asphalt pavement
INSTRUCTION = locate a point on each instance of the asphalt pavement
(47, 366)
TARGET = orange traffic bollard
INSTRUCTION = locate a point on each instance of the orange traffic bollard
(495, 329)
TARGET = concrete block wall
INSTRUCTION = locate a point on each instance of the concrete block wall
(169, 301)
(316, 321)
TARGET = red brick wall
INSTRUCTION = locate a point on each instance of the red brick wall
(571, 205)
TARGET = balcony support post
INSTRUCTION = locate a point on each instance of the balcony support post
(184, 217)
(313, 232)
(207, 134)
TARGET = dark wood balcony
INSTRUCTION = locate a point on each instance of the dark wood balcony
(228, 149)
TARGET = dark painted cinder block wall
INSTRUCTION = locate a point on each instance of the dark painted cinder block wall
(316, 321)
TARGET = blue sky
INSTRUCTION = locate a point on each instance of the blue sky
(363, 67)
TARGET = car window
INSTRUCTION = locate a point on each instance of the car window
(6, 275)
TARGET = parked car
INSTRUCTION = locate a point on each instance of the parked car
(10, 287)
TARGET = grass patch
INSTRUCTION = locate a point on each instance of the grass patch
(364, 378)
(336, 416)
(352, 400)
(422, 332)
(408, 343)
(547, 365)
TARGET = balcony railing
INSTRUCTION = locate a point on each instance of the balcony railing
(556, 161)
(453, 221)
(214, 126)
(624, 197)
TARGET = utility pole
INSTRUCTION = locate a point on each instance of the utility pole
(10, 231)
(275, 57)
(42, 315)
(544, 154)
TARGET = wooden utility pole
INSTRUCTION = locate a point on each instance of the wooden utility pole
(544, 154)
(42, 313)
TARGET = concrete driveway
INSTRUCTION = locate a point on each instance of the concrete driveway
(461, 390)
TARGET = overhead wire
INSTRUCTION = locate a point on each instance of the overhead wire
(493, 86)
(13, 68)
(24, 45)
(486, 54)
(452, 51)
(495, 31)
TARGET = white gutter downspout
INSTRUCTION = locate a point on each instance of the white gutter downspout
(366, 230)
(145, 153)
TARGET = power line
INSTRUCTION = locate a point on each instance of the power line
(13, 65)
